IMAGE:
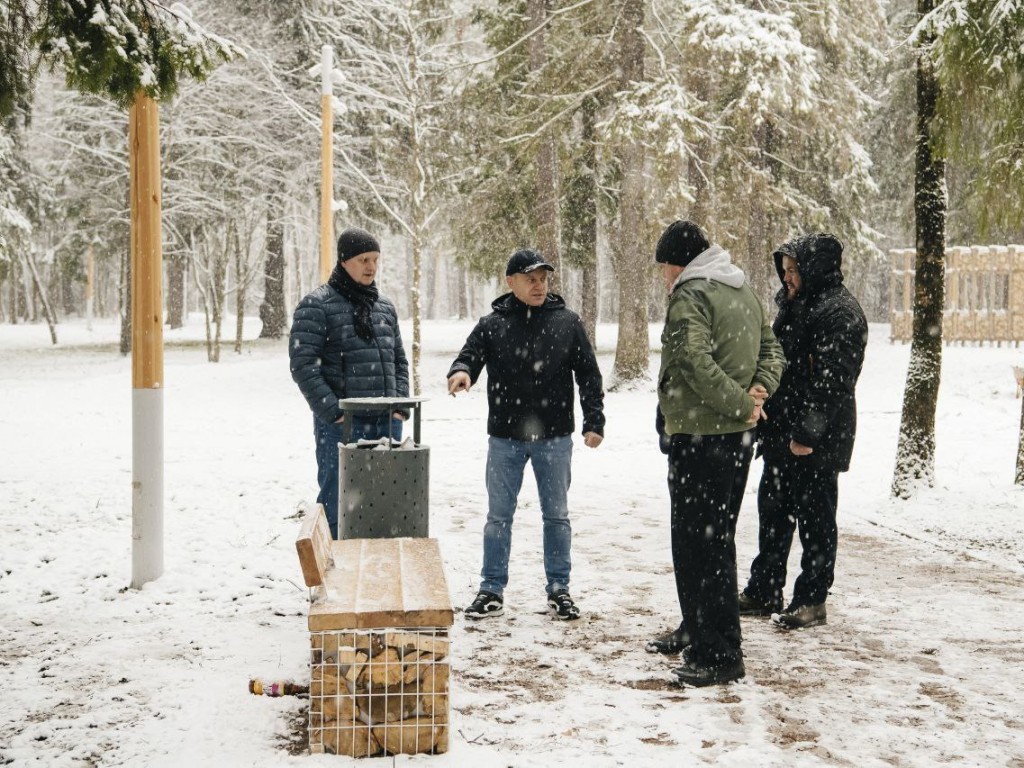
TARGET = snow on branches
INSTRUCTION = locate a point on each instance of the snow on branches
(118, 47)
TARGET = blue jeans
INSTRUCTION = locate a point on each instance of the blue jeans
(506, 462)
(327, 438)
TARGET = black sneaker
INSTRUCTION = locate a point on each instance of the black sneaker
(750, 606)
(699, 676)
(562, 607)
(670, 643)
(485, 605)
(800, 617)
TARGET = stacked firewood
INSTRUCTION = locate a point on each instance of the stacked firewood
(379, 691)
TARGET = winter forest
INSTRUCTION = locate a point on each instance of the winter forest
(463, 130)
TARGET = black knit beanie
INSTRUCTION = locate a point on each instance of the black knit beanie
(355, 241)
(680, 243)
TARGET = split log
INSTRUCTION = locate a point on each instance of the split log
(416, 641)
(328, 643)
(434, 691)
(388, 706)
(340, 709)
(410, 736)
(344, 739)
(383, 669)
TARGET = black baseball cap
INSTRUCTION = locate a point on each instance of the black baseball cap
(525, 261)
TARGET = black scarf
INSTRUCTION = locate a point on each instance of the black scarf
(361, 296)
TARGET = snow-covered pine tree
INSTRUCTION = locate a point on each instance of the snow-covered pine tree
(781, 86)
(119, 47)
(979, 62)
(980, 65)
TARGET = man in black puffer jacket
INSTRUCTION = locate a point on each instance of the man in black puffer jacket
(345, 343)
(807, 439)
(532, 345)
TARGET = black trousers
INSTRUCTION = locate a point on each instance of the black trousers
(706, 478)
(794, 494)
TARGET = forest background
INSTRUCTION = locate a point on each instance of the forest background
(464, 130)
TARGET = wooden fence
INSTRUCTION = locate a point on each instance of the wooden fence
(984, 294)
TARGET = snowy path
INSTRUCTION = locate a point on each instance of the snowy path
(921, 663)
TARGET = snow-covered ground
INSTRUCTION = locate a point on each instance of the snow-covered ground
(921, 663)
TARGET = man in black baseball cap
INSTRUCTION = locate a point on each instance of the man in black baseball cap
(532, 346)
(525, 261)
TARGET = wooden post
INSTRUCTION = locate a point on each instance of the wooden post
(954, 280)
(326, 163)
(1016, 294)
(147, 343)
(90, 273)
(893, 311)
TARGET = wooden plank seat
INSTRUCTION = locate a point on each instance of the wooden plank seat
(369, 583)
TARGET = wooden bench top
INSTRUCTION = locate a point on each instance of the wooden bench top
(370, 583)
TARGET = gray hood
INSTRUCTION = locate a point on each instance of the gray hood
(713, 264)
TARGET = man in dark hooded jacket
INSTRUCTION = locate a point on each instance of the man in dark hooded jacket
(532, 346)
(807, 439)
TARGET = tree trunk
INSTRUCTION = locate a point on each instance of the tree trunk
(218, 291)
(632, 264)
(762, 226)
(419, 183)
(699, 159)
(414, 295)
(66, 274)
(30, 311)
(546, 181)
(580, 216)
(438, 307)
(272, 310)
(462, 306)
(12, 285)
(126, 301)
(588, 301)
(210, 279)
(176, 291)
(1018, 477)
(51, 318)
(915, 451)
(242, 284)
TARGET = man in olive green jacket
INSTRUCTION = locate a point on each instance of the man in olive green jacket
(719, 362)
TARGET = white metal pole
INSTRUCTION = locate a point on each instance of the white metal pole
(326, 163)
(147, 344)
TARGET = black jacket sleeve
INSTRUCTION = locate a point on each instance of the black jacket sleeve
(473, 356)
(836, 346)
(589, 381)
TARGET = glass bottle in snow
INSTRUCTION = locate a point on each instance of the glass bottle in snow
(276, 688)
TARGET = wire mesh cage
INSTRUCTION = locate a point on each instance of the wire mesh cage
(379, 691)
